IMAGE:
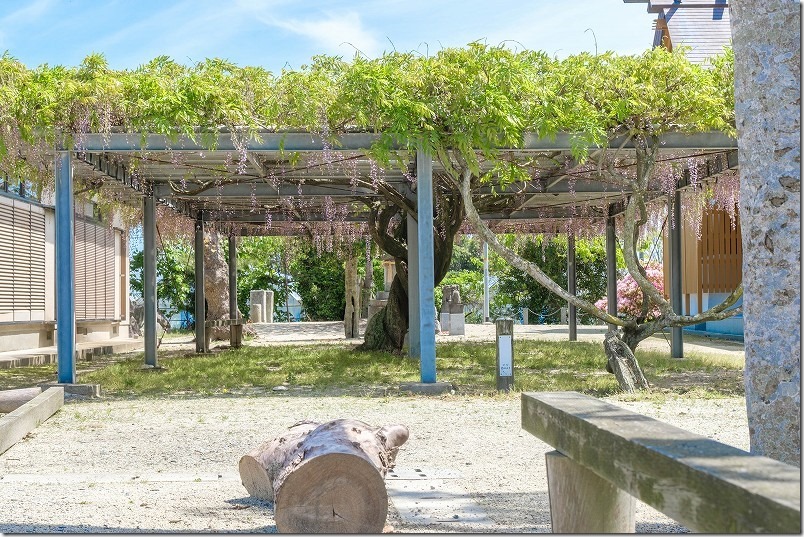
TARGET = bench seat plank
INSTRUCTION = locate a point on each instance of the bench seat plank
(705, 485)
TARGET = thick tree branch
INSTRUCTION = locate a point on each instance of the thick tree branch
(530, 268)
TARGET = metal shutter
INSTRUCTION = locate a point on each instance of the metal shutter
(22, 261)
(94, 271)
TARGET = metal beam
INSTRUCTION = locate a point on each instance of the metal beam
(200, 302)
(572, 318)
(677, 339)
(302, 141)
(65, 268)
(426, 265)
(258, 189)
(149, 279)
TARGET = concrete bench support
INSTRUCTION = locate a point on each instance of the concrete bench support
(707, 486)
(583, 502)
(15, 425)
(235, 332)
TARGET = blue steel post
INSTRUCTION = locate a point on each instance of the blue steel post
(235, 332)
(426, 264)
(149, 276)
(677, 339)
(611, 269)
(486, 282)
(65, 268)
(200, 302)
(414, 313)
(572, 317)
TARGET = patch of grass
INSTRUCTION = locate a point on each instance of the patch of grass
(25, 377)
(538, 366)
(247, 368)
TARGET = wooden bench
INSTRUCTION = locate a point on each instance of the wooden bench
(606, 456)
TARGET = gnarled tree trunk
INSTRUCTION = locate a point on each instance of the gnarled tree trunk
(325, 478)
(386, 330)
(621, 361)
(351, 315)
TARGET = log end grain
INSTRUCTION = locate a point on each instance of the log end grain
(332, 493)
(255, 478)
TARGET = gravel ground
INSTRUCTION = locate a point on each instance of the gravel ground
(170, 464)
(164, 465)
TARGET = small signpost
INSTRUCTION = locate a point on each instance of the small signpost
(505, 354)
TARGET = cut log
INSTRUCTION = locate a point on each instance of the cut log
(325, 478)
(11, 400)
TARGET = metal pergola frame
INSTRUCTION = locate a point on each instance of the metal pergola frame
(240, 181)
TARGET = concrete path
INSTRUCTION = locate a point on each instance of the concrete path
(333, 332)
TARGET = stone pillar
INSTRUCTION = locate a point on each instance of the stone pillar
(255, 312)
(766, 36)
(257, 298)
(446, 296)
(268, 310)
(456, 314)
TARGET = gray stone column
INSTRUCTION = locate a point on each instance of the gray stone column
(766, 37)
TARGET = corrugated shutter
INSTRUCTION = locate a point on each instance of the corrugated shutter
(22, 261)
(94, 271)
(6, 258)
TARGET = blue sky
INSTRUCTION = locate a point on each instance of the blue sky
(286, 33)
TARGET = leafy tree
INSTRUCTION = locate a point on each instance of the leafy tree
(319, 280)
(518, 290)
(613, 96)
(258, 267)
(175, 274)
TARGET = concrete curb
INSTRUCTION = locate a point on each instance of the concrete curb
(50, 355)
(15, 425)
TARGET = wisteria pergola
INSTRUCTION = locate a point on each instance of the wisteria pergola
(243, 184)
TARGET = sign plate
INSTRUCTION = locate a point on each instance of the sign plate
(505, 348)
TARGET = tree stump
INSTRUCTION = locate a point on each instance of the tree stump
(325, 478)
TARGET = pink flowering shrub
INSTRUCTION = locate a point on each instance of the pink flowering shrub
(629, 295)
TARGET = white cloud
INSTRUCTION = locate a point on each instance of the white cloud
(340, 33)
(29, 13)
(335, 32)
(26, 15)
